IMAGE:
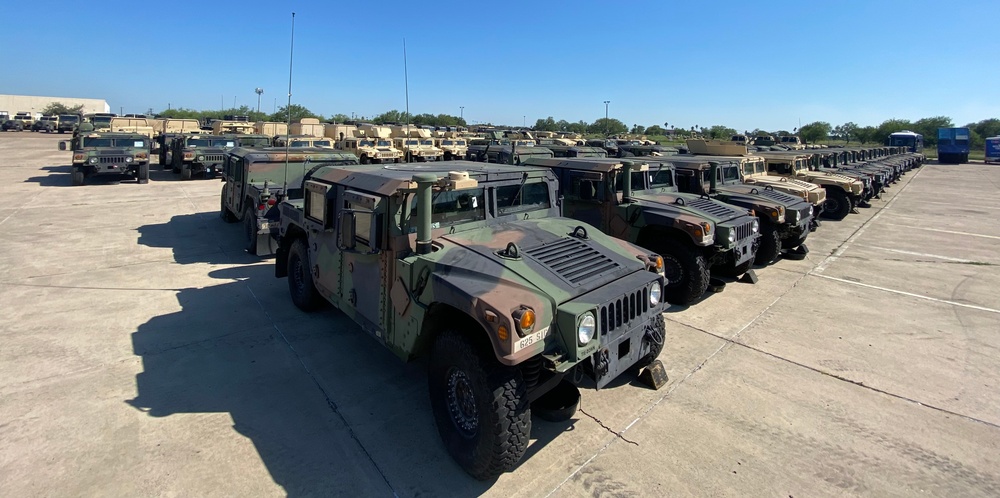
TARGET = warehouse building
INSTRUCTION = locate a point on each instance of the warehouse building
(30, 103)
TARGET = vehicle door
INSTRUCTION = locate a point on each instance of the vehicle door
(584, 194)
(363, 279)
(234, 175)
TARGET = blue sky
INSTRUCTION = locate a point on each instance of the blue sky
(685, 63)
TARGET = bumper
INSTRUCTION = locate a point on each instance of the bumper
(267, 236)
(109, 169)
(617, 355)
(207, 168)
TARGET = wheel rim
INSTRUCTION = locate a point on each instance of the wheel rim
(462, 403)
(832, 205)
(672, 270)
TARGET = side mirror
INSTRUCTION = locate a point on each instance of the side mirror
(62, 145)
(345, 236)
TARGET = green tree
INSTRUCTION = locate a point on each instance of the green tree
(720, 131)
(864, 134)
(815, 131)
(656, 130)
(607, 126)
(928, 127)
(547, 124)
(580, 127)
(339, 118)
(638, 129)
(60, 108)
(846, 131)
(889, 127)
(986, 128)
(392, 116)
(297, 112)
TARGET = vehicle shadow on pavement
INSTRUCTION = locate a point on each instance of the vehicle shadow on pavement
(328, 410)
(198, 238)
(59, 176)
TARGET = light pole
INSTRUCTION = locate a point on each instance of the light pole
(259, 91)
(524, 121)
(461, 112)
(606, 102)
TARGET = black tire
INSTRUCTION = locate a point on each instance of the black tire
(837, 204)
(657, 347)
(300, 282)
(770, 244)
(792, 243)
(480, 406)
(686, 270)
(143, 175)
(224, 212)
(250, 231)
(77, 178)
(364, 159)
(185, 173)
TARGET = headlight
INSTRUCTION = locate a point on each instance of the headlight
(585, 331)
(732, 237)
(201, 158)
(128, 159)
(810, 210)
(654, 294)
(93, 160)
(755, 225)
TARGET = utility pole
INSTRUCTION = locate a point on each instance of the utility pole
(259, 91)
(606, 102)
(461, 112)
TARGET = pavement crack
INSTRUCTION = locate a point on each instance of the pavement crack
(616, 433)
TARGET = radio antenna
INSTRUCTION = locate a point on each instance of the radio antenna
(406, 87)
(288, 107)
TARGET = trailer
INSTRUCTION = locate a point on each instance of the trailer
(953, 145)
(993, 150)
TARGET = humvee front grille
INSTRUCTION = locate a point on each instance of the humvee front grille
(714, 208)
(213, 158)
(744, 231)
(572, 260)
(623, 311)
(112, 159)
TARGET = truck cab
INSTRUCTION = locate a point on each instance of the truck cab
(255, 180)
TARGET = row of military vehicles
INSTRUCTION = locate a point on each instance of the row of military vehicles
(518, 277)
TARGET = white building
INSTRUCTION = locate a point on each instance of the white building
(29, 103)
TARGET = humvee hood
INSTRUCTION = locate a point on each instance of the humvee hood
(665, 203)
(549, 258)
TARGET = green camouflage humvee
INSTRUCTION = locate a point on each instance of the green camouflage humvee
(257, 179)
(202, 154)
(97, 153)
(471, 265)
(784, 218)
(693, 233)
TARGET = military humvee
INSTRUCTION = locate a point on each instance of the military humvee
(784, 218)
(370, 151)
(26, 119)
(693, 233)
(471, 265)
(199, 154)
(842, 193)
(416, 144)
(253, 140)
(294, 141)
(576, 151)
(67, 122)
(454, 147)
(754, 172)
(509, 154)
(11, 124)
(257, 179)
(99, 120)
(610, 146)
(48, 124)
(109, 153)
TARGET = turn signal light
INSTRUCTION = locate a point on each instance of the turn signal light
(502, 333)
(525, 319)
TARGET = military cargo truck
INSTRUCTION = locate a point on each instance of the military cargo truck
(199, 154)
(471, 266)
(842, 193)
(754, 172)
(294, 141)
(784, 218)
(639, 202)
(256, 180)
(108, 154)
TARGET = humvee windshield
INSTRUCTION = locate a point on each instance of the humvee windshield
(411, 142)
(451, 207)
(519, 198)
(112, 142)
(298, 143)
(731, 174)
(101, 120)
(210, 142)
(427, 142)
(69, 118)
(383, 143)
(661, 177)
(255, 142)
(453, 142)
